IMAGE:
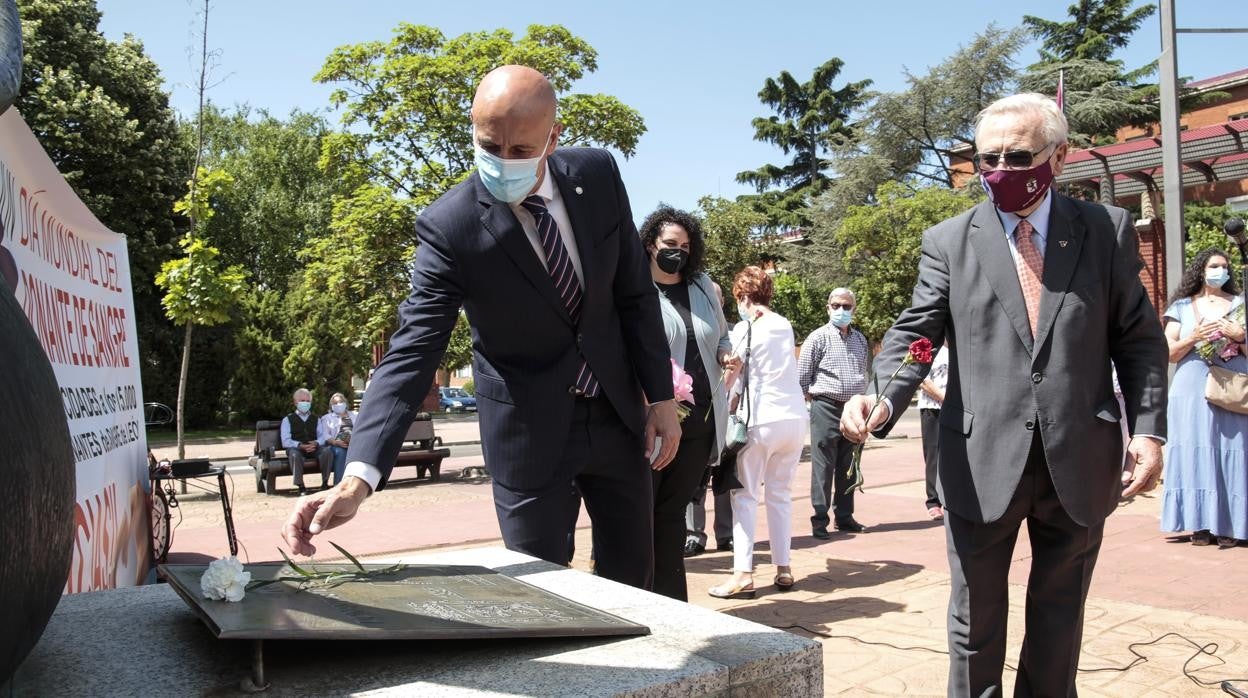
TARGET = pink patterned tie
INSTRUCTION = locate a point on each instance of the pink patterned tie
(1030, 266)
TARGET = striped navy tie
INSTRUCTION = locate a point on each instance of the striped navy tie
(559, 266)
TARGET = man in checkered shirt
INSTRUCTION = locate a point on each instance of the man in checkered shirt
(831, 369)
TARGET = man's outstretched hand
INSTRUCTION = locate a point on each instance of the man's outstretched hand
(321, 512)
(854, 417)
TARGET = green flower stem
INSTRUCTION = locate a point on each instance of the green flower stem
(318, 579)
(855, 465)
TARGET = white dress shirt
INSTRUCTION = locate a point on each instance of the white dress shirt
(554, 203)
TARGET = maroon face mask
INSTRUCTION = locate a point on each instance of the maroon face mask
(1015, 190)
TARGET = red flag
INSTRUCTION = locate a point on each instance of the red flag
(1061, 91)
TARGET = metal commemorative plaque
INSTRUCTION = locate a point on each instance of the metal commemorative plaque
(417, 602)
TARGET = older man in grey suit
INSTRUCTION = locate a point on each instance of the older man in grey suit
(1036, 293)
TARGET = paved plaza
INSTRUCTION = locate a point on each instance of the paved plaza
(875, 600)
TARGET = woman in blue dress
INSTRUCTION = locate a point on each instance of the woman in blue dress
(1206, 477)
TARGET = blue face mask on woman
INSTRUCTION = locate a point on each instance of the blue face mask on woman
(1217, 278)
(508, 180)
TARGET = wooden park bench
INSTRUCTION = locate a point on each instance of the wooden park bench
(269, 459)
(421, 449)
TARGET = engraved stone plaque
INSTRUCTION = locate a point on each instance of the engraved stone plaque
(418, 602)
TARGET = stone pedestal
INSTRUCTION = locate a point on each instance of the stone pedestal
(146, 641)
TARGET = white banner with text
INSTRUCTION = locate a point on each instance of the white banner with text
(71, 276)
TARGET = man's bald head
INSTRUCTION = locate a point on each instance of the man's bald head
(514, 92)
(513, 118)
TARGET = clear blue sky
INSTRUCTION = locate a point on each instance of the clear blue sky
(692, 68)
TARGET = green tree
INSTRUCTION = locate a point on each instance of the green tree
(406, 103)
(734, 237)
(811, 119)
(358, 273)
(99, 110)
(459, 350)
(883, 242)
(922, 130)
(258, 388)
(280, 203)
(1101, 95)
(1203, 228)
(914, 137)
(281, 199)
(198, 289)
(1096, 29)
(803, 303)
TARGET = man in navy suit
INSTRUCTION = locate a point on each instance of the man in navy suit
(569, 357)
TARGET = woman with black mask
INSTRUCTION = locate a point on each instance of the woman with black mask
(697, 336)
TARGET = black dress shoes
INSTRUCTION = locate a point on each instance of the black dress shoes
(725, 544)
(821, 532)
(694, 548)
(850, 526)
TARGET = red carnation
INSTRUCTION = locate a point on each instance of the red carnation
(921, 351)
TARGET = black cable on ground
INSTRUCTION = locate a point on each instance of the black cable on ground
(1209, 649)
(230, 497)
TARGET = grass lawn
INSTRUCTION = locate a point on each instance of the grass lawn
(164, 436)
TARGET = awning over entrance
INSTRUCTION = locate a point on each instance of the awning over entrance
(1210, 154)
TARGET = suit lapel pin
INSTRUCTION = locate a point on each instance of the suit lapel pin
(579, 190)
(1061, 243)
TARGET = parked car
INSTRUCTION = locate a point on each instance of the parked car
(456, 400)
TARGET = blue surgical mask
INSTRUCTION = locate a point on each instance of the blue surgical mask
(303, 405)
(744, 311)
(1217, 278)
(508, 180)
(338, 407)
(841, 317)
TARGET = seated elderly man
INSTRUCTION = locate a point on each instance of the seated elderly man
(300, 440)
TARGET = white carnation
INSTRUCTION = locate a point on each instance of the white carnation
(225, 580)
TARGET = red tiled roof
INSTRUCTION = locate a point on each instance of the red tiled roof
(1206, 82)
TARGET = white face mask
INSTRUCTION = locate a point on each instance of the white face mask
(338, 407)
(743, 309)
(1217, 278)
(508, 180)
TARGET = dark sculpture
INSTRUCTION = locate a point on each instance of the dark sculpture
(37, 483)
(10, 53)
(10, 81)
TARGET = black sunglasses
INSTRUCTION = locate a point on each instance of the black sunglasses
(838, 306)
(1014, 159)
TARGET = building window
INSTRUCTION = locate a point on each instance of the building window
(1237, 204)
(1238, 117)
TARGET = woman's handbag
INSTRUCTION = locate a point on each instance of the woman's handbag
(1227, 389)
(736, 434)
(724, 475)
(737, 431)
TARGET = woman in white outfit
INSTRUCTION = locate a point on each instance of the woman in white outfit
(770, 396)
